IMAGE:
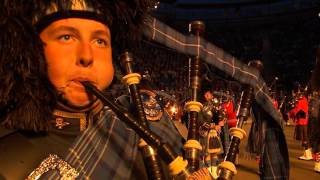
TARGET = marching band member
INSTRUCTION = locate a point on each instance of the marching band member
(300, 116)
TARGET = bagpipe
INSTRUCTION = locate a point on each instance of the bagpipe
(198, 49)
(193, 147)
(178, 167)
(292, 103)
(131, 79)
(227, 169)
(213, 107)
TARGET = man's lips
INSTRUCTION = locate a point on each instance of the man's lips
(76, 83)
(79, 79)
(83, 79)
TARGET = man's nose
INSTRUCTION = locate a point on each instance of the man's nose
(85, 58)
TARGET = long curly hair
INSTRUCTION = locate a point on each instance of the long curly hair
(27, 98)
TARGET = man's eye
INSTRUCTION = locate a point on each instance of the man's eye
(65, 37)
(101, 42)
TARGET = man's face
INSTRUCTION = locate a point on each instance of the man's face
(208, 95)
(77, 50)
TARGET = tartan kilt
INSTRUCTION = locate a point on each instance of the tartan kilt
(301, 133)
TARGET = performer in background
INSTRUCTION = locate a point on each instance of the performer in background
(212, 121)
(300, 115)
(228, 105)
(210, 133)
(50, 126)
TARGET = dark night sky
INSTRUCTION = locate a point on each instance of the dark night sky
(283, 33)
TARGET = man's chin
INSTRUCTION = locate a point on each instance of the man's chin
(79, 103)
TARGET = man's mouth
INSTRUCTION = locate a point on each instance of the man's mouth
(79, 80)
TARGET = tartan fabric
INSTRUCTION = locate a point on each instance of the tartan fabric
(268, 139)
(275, 162)
(274, 141)
(109, 148)
(167, 131)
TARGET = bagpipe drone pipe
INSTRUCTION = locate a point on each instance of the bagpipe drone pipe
(227, 169)
(132, 79)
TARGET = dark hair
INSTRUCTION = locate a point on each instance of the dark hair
(27, 97)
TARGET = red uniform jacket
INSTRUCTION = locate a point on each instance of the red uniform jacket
(275, 104)
(230, 113)
(300, 108)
